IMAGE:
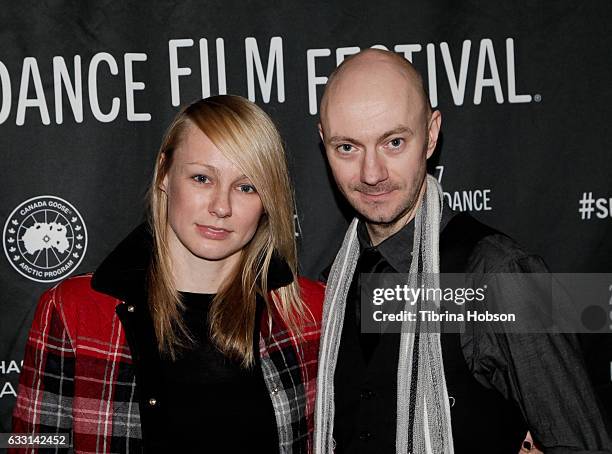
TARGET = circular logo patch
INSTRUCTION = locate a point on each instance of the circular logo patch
(45, 238)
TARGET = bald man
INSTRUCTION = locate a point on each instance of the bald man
(478, 392)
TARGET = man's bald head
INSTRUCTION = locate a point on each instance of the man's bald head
(372, 68)
(378, 130)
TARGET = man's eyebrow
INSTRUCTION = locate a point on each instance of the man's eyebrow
(338, 139)
(383, 136)
(394, 131)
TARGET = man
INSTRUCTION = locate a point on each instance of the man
(422, 393)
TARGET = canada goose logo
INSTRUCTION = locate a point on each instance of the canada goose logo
(45, 238)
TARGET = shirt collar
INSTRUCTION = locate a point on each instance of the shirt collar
(397, 249)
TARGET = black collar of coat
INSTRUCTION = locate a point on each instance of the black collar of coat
(123, 273)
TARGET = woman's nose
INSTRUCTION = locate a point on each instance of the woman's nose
(220, 204)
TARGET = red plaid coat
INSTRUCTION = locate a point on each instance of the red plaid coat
(78, 374)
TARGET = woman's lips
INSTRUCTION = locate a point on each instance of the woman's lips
(212, 233)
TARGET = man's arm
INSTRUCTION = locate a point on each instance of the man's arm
(543, 373)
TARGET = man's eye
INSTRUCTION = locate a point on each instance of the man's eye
(247, 188)
(345, 148)
(395, 143)
(201, 178)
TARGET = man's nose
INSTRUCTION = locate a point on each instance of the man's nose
(373, 168)
(220, 204)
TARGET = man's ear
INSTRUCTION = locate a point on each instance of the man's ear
(321, 132)
(433, 131)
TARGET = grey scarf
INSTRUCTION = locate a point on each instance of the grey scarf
(431, 426)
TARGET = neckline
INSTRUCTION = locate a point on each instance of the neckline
(196, 294)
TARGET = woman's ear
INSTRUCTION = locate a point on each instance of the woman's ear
(160, 165)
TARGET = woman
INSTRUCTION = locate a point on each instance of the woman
(194, 334)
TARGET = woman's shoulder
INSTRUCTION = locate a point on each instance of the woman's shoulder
(311, 289)
(72, 307)
(78, 288)
(313, 294)
(75, 298)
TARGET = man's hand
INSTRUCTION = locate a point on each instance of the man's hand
(529, 446)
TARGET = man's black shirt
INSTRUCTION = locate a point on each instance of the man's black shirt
(496, 381)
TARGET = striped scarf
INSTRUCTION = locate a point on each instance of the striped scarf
(421, 391)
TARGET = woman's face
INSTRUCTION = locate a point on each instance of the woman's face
(213, 209)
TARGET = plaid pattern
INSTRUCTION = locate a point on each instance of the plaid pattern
(290, 370)
(78, 376)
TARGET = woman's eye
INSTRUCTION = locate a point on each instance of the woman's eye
(247, 188)
(345, 148)
(395, 143)
(201, 179)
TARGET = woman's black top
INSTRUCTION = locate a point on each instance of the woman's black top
(213, 404)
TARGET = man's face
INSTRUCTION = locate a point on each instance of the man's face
(377, 140)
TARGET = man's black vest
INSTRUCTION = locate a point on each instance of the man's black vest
(483, 421)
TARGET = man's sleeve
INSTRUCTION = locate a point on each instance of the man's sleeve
(46, 383)
(544, 373)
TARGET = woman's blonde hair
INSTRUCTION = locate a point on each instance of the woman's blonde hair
(248, 138)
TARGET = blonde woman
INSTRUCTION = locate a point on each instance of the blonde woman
(195, 334)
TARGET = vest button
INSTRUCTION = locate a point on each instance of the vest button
(364, 435)
(367, 394)
(152, 402)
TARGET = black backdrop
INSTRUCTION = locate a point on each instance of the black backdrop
(87, 91)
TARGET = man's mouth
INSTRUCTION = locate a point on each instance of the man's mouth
(376, 196)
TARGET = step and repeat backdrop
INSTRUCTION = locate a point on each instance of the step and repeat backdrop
(88, 88)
